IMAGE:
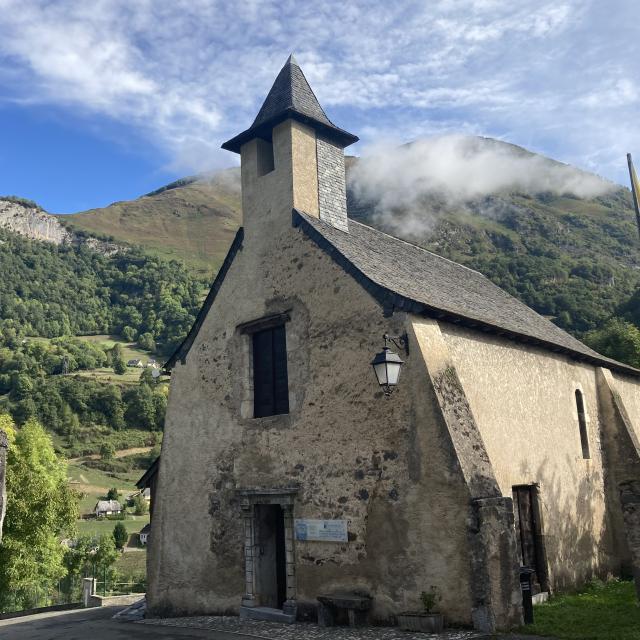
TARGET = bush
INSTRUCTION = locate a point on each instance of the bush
(107, 451)
(140, 506)
(146, 342)
(120, 535)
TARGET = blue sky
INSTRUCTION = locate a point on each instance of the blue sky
(106, 100)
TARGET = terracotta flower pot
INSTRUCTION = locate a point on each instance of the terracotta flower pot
(425, 622)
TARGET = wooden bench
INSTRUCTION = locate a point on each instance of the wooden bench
(332, 608)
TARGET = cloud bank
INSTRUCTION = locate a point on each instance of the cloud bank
(427, 177)
(558, 76)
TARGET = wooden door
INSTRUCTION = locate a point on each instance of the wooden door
(524, 508)
(270, 560)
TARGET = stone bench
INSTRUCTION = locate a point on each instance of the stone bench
(332, 608)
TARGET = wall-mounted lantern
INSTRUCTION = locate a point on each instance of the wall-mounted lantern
(387, 363)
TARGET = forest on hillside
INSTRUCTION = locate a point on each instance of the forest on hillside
(51, 294)
(48, 290)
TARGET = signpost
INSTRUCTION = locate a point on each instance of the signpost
(635, 187)
(321, 530)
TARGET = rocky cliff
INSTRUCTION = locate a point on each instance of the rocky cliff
(32, 223)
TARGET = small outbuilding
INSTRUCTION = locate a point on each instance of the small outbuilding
(144, 533)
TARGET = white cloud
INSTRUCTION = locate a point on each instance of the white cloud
(559, 75)
(422, 179)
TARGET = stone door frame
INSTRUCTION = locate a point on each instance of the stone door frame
(284, 497)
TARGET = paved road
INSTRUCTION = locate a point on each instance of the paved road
(96, 624)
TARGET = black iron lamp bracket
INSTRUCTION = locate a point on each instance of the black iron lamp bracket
(400, 342)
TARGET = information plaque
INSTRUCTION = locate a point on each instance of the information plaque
(321, 530)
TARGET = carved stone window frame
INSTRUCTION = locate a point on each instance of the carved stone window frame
(285, 497)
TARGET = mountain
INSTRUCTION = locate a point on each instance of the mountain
(27, 219)
(192, 220)
(562, 240)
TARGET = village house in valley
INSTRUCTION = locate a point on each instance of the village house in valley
(144, 533)
(107, 508)
(286, 470)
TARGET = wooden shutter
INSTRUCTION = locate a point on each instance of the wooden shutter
(270, 381)
(280, 379)
(263, 373)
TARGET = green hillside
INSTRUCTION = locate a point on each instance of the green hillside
(193, 222)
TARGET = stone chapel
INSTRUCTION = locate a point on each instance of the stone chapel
(286, 470)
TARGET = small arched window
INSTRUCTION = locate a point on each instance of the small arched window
(582, 421)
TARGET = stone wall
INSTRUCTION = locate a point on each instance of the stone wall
(627, 388)
(622, 478)
(494, 579)
(332, 192)
(384, 464)
(523, 400)
(630, 500)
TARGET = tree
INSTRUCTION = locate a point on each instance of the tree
(119, 366)
(129, 334)
(107, 451)
(79, 560)
(140, 506)
(41, 508)
(141, 411)
(117, 360)
(146, 342)
(120, 535)
(112, 494)
(146, 377)
(617, 339)
(106, 554)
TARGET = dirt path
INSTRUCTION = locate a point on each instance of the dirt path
(119, 454)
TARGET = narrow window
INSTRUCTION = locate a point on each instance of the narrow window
(266, 162)
(584, 440)
(270, 382)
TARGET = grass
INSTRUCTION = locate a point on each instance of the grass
(94, 484)
(602, 611)
(100, 527)
(132, 563)
(130, 351)
(194, 223)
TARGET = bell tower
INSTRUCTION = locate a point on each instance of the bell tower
(292, 156)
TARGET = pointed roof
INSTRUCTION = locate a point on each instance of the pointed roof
(290, 97)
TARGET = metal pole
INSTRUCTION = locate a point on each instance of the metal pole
(634, 189)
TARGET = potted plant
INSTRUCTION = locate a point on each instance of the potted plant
(428, 620)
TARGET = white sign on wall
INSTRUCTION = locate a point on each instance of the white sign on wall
(321, 530)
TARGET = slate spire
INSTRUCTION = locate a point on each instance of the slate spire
(290, 97)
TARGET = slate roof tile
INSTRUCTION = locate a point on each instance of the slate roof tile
(422, 281)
